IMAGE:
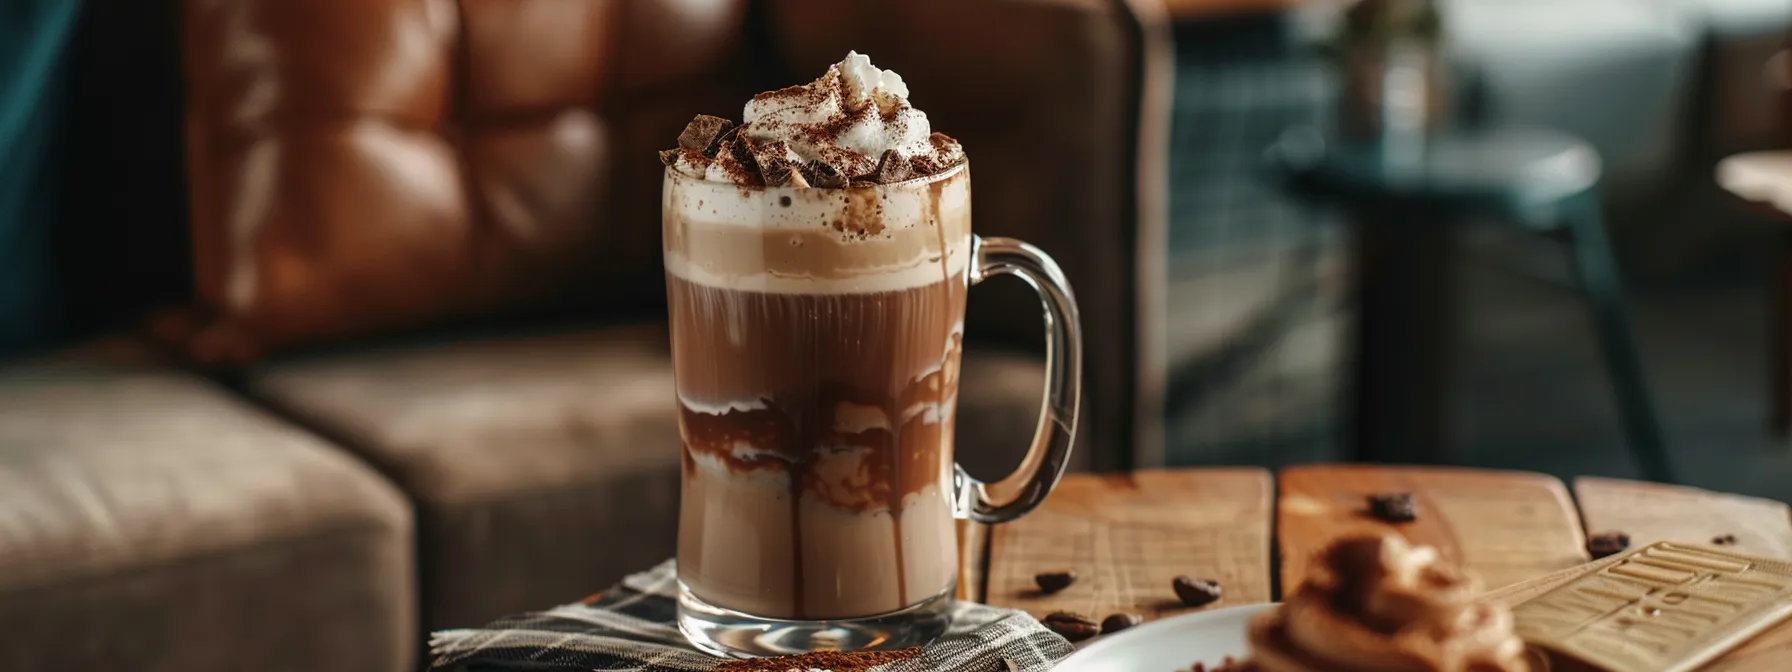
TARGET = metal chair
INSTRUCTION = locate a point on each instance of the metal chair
(1405, 195)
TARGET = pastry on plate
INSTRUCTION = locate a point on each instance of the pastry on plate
(1379, 604)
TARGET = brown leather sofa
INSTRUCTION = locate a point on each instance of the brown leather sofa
(423, 381)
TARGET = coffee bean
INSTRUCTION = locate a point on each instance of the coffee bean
(1607, 544)
(1051, 582)
(1723, 539)
(1393, 507)
(1196, 592)
(1074, 627)
(1117, 622)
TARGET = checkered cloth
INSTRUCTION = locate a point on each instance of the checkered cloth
(632, 627)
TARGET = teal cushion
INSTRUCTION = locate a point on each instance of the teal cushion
(34, 35)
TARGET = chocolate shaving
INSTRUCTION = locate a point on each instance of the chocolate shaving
(703, 133)
(785, 176)
(742, 150)
(722, 141)
(772, 157)
(823, 175)
(891, 168)
(923, 164)
(706, 140)
(738, 172)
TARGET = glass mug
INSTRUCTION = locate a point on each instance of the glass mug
(816, 336)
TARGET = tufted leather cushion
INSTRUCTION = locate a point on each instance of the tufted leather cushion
(428, 161)
(363, 165)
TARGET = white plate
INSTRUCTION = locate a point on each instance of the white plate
(1169, 645)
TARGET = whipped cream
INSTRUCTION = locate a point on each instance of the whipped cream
(853, 126)
(1378, 604)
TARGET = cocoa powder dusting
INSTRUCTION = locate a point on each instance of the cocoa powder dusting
(802, 93)
(835, 661)
(834, 128)
(739, 172)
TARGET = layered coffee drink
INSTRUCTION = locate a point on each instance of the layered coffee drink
(816, 262)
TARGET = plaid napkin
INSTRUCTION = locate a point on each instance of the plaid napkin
(632, 627)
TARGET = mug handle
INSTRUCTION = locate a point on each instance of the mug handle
(1044, 464)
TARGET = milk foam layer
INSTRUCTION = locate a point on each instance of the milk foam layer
(818, 241)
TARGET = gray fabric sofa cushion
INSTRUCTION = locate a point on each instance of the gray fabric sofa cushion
(151, 521)
(544, 467)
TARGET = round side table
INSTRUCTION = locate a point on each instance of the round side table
(1406, 197)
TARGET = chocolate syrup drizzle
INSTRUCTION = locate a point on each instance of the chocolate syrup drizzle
(813, 355)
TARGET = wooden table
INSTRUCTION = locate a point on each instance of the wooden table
(1127, 536)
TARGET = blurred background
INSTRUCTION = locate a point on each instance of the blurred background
(1662, 90)
(324, 324)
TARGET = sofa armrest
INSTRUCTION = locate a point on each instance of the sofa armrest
(1063, 106)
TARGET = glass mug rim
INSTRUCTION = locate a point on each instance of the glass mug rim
(961, 167)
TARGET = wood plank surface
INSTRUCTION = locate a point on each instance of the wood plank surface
(1651, 512)
(1505, 526)
(1127, 536)
(1769, 652)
